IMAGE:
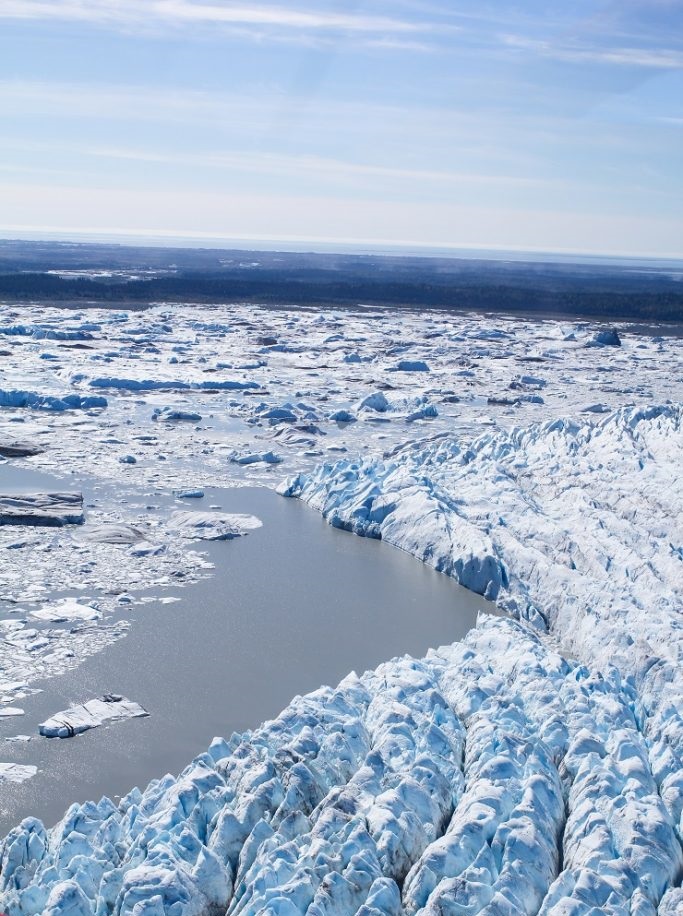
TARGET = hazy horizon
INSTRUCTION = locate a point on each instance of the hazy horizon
(344, 247)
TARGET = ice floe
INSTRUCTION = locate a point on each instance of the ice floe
(92, 714)
(16, 772)
(52, 510)
(65, 610)
(212, 526)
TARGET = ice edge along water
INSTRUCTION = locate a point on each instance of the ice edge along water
(497, 775)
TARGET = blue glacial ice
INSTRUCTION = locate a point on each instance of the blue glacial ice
(430, 786)
(36, 401)
(571, 527)
(536, 767)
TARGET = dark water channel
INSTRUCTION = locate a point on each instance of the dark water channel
(294, 605)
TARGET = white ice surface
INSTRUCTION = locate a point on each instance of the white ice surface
(568, 796)
(52, 510)
(212, 526)
(16, 772)
(91, 714)
(62, 611)
(423, 783)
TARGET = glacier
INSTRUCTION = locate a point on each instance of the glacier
(573, 528)
(535, 767)
(493, 776)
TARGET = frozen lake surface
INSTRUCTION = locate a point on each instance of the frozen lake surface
(294, 605)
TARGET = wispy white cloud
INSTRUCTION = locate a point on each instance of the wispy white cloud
(462, 139)
(263, 106)
(179, 12)
(303, 166)
(389, 43)
(655, 58)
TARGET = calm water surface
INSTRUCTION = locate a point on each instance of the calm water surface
(294, 605)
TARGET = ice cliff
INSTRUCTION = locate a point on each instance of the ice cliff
(571, 527)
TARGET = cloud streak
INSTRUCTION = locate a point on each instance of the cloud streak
(337, 170)
(180, 12)
(655, 58)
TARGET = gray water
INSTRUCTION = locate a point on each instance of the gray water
(294, 605)
(16, 478)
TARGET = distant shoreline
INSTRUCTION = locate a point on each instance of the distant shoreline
(116, 276)
(363, 248)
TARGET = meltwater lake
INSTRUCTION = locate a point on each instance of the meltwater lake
(294, 605)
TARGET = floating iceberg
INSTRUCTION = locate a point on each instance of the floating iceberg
(52, 510)
(77, 719)
(16, 772)
(257, 457)
(212, 526)
(605, 338)
(37, 401)
(377, 402)
(19, 449)
(66, 610)
(410, 365)
(343, 416)
(111, 533)
(176, 415)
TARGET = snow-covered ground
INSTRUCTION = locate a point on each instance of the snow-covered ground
(536, 767)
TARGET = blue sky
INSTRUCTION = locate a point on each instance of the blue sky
(533, 125)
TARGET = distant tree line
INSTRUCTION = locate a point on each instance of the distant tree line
(610, 298)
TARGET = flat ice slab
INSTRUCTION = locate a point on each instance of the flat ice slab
(213, 526)
(62, 611)
(77, 719)
(52, 510)
(18, 449)
(16, 772)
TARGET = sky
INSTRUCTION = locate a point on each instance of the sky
(547, 126)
